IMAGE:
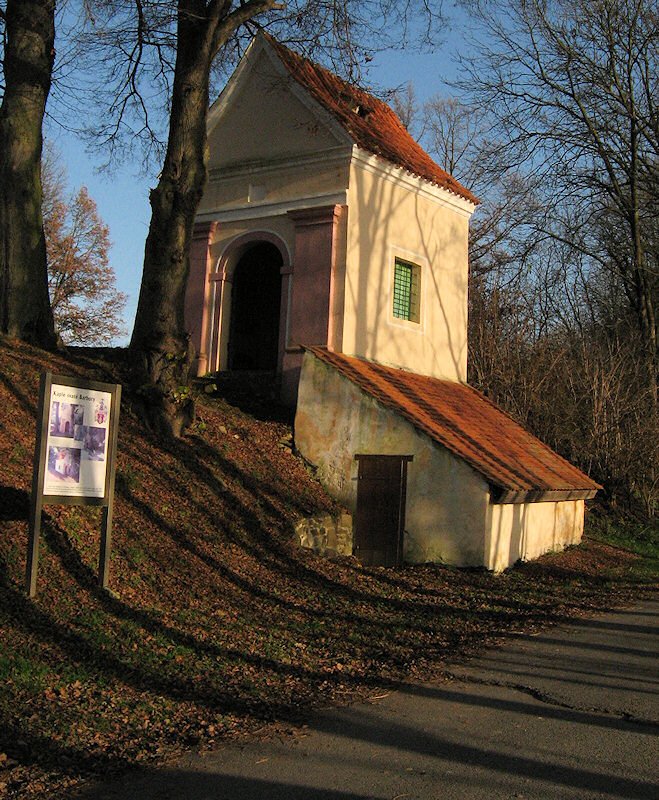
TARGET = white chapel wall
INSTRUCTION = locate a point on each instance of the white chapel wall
(524, 531)
(389, 218)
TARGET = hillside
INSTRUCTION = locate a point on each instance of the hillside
(218, 624)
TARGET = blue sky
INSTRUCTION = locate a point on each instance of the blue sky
(122, 194)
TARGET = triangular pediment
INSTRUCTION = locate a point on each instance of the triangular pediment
(263, 115)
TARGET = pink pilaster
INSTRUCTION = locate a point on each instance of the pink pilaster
(312, 305)
(197, 293)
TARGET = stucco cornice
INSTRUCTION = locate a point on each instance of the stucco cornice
(253, 211)
(391, 172)
(298, 163)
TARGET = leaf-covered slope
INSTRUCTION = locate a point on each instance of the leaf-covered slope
(220, 624)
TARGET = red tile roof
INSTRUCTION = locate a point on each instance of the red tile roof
(372, 124)
(469, 425)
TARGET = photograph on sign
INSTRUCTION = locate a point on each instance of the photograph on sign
(78, 422)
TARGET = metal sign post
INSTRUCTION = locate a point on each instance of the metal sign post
(74, 458)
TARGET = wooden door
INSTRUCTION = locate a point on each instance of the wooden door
(380, 517)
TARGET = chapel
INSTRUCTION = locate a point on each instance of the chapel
(330, 250)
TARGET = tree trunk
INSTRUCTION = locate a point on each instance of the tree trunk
(643, 304)
(160, 344)
(25, 311)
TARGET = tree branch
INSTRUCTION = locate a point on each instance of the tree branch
(232, 21)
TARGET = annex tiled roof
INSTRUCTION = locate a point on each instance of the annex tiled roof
(469, 425)
(370, 122)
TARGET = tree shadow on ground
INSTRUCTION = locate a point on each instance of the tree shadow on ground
(86, 578)
(547, 711)
(358, 724)
(188, 783)
(21, 744)
(14, 504)
(254, 393)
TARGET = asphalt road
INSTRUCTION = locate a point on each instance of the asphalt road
(570, 713)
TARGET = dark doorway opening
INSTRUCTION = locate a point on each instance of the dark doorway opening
(380, 517)
(255, 305)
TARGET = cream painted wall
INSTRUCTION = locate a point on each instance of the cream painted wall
(527, 530)
(447, 501)
(267, 109)
(388, 219)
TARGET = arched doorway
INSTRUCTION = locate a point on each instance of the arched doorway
(255, 307)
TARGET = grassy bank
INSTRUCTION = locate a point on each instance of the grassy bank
(632, 536)
(219, 625)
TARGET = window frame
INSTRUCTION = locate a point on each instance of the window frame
(413, 313)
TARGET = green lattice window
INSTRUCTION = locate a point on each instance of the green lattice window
(407, 291)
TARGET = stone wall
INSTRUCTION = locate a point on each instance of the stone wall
(326, 535)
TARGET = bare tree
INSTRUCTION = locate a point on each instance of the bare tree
(506, 228)
(404, 103)
(455, 134)
(28, 37)
(159, 342)
(570, 88)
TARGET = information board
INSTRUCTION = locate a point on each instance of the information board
(74, 457)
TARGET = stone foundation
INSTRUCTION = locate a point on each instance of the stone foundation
(326, 535)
